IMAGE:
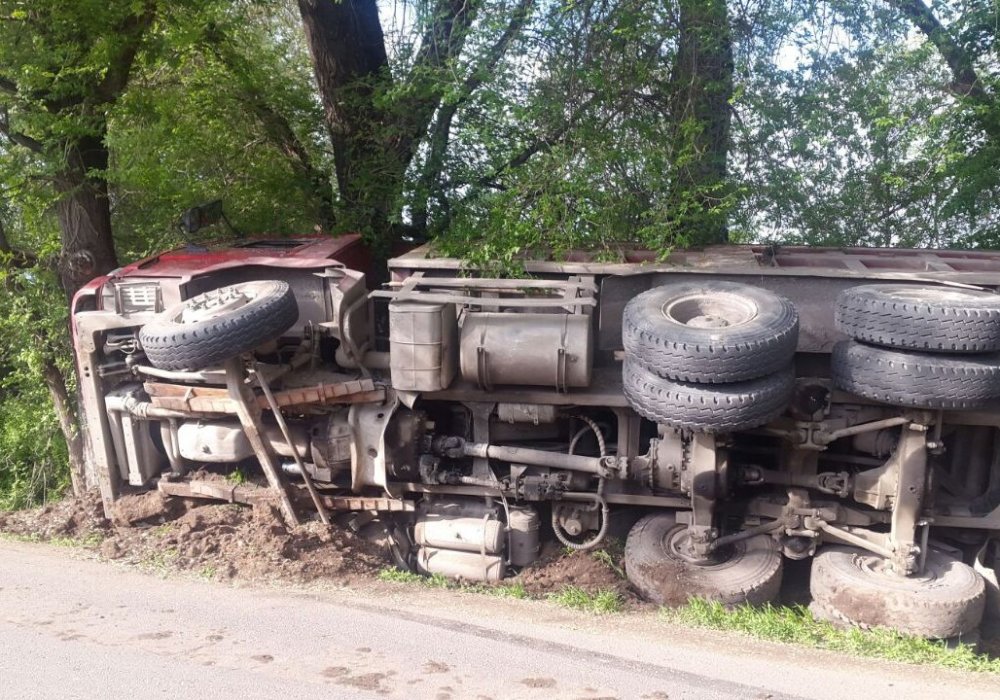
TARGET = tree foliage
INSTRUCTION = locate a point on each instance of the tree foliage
(499, 128)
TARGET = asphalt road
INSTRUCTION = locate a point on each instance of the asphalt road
(75, 628)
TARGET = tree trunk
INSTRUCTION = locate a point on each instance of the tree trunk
(84, 211)
(66, 413)
(375, 138)
(702, 85)
(351, 66)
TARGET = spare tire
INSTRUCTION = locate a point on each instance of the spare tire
(748, 571)
(915, 379)
(716, 408)
(710, 332)
(210, 328)
(854, 586)
(932, 319)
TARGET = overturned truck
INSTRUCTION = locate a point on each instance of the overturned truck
(728, 409)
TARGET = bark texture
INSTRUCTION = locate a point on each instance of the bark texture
(84, 212)
(702, 86)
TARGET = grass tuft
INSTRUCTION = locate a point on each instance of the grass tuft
(394, 575)
(608, 559)
(89, 541)
(796, 625)
(601, 602)
(503, 590)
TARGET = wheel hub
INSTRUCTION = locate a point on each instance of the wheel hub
(681, 545)
(717, 310)
(879, 567)
(211, 304)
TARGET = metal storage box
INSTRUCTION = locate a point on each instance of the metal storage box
(422, 339)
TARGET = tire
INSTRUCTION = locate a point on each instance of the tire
(914, 379)
(715, 408)
(210, 328)
(710, 332)
(745, 572)
(853, 586)
(930, 319)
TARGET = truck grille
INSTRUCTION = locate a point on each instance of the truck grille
(138, 297)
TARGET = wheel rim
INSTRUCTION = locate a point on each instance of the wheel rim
(677, 545)
(717, 310)
(880, 571)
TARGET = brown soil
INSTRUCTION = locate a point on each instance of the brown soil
(70, 519)
(556, 569)
(215, 541)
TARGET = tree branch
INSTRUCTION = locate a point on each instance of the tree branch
(442, 41)
(445, 34)
(275, 124)
(17, 137)
(120, 68)
(966, 82)
(14, 257)
(55, 382)
(441, 131)
(540, 144)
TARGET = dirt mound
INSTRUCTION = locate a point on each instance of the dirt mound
(229, 541)
(72, 518)
(215, 541)
(591, 571)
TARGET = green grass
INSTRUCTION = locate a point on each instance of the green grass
(601, 602)
(608, 559)
(393, 575)
(160, 562)
(207, 573)
(503, 590)
(795, 625)
(89, 541)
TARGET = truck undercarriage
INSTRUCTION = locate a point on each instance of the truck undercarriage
(729, 409)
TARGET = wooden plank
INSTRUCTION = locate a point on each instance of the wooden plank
(395, 505)
(204, 399)
(249, 413)
(214, 490)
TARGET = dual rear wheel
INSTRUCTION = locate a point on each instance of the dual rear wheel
(705, 359)
(848, 586)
